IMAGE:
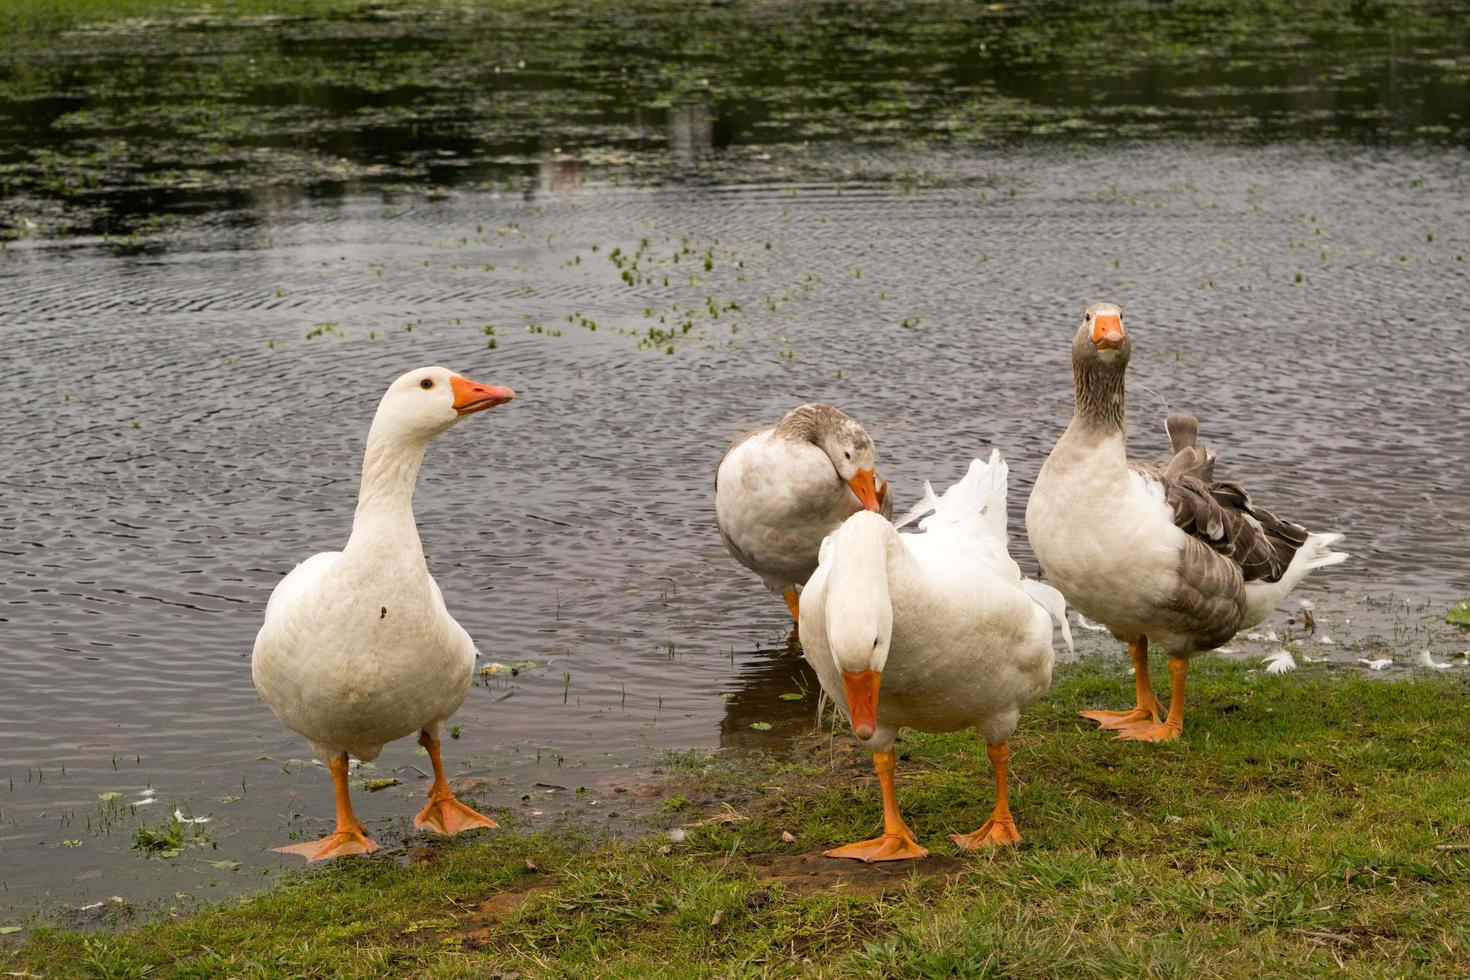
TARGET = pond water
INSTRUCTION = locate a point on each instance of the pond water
(194, 351)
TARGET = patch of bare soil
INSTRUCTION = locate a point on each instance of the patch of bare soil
(476, 928)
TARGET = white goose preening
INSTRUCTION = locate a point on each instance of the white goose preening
(945, 622)
(1161, 552)
(357, 648)
(779, 491)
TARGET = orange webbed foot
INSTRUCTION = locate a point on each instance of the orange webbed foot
(339, 844)
(889, 847)
(1164, 732)
(448, 816)
(995, 831)
(1111, 720)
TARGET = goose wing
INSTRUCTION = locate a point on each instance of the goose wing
(734, 446)
(1219, 513)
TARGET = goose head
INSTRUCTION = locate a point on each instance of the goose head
(1101, 340)
(423, 403)
(851, 451)
(859, 615)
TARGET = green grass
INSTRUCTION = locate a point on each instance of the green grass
(1306, 824)
(1459, 613)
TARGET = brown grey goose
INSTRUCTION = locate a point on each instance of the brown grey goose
(1155, 551)
(780, 490)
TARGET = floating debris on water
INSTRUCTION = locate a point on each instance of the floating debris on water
(491, 669)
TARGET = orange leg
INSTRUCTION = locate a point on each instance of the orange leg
(897, 842)
(1173, 726)
(350, 837)
(444, 814)
(1146, 708)
(793, 603)
(1000, 828)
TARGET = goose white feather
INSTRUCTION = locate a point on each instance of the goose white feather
(1426, 659)
(1279, 662)
(779, 491)
(944, 619)
(357, 648)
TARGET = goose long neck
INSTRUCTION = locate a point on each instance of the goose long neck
(384, 518)
(859, 608)
(860, 589)
(1101, 407)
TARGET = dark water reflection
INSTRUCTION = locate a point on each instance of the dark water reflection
(117, 128)
(185, 415)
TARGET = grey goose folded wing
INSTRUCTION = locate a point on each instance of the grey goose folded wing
(738, 440)
(1219, 513)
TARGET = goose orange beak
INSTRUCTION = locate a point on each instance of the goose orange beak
(863, 485)
(471, 396)
(1107, 331)
(862, 701)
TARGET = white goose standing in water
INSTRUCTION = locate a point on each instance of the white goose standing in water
(357, 648)
(1161, 552)
(779, 491)
(945, 623)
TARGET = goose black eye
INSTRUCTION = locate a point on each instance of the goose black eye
(426, 384)
(847, 455)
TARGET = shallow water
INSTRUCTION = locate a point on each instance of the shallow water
(186, 416)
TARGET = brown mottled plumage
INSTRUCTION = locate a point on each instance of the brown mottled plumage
(1160, 552)
(1220, 513)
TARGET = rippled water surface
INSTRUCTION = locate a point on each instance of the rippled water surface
(185, 413)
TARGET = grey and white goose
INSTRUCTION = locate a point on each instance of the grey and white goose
(1155, 551)
(780, 490)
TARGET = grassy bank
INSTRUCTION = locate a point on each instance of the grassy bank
(1305, 824)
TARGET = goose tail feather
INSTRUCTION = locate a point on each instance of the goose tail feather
(1052, 601)
(1322, 555)
(975, 505)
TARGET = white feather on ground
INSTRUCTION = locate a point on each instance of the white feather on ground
(1376, 664)
(1279, 662)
